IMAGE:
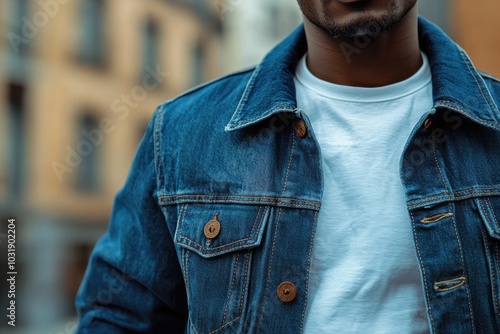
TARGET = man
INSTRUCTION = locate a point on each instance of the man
(350, 183)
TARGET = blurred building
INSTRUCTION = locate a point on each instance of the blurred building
(474, 25)
(252, 28)
(79, 81)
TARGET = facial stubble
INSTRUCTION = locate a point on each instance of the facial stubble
(366, 25)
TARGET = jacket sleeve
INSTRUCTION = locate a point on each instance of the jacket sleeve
(133, 283)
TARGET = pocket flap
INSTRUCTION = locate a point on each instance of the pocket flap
(489, 208)
(239, 227)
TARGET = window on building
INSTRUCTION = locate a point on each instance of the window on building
(91, 31)
(198, 61)
(150, 50)
(15, 138)
(88, 151)
(18, 41)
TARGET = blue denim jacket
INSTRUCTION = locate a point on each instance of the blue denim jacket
(221, 203)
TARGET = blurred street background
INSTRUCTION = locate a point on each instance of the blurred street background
(79, 80)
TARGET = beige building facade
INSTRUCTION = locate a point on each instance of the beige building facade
(79, 81)
(476, 27)
(65, 91)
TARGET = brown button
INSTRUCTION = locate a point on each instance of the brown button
(212, 228)
(287, 292)
(300, 128)
(427, 123)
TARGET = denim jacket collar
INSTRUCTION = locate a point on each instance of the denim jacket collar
(457, 84)
(271, 89)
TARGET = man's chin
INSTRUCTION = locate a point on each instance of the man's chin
(363, 23)
(367, 26)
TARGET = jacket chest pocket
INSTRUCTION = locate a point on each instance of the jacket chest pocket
(216, 243)
(489, 209)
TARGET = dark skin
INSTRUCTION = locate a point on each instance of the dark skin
(363, 43)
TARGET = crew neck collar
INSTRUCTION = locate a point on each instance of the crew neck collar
(417, 81)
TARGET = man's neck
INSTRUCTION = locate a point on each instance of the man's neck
(371, 61)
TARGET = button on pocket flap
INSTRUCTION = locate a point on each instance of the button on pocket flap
(215, 229)
(489, 209)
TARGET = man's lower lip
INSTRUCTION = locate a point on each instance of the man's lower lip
(349, 1)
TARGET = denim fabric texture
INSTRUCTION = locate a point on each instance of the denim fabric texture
(229, 150)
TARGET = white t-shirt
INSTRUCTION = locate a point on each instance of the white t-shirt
(364, 276)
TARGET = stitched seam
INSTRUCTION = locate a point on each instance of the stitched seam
(240, 310)
(494, 218)
(232, 283)
(241, 196)
(453, 106)
(454, 197)
(184, 274)
(261, 222)
(477, 82)
(183, 253)
(180, 220)
(438, 166)
(188, 286)
(429, 305)
(279, 107)
(194, 328)
(231, 243)
(291, 205)
(224, 246)
(289, 163)
(268, 278)
(221, 327)
(187, 270)
(244, 97)
(230, 288)
(174, 198)
(243, 292)
(485, 213)
(192, 325)
(303, 206)
(492, 271)
(496, 270)
(446, 196)
(254, 223)
(307, 275)
(463, 269)
(244, 288)
(436, 218)
(158, 143)
(245, 283)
